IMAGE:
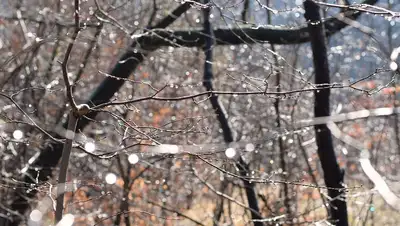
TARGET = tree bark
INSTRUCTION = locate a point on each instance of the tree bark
(333, 175)
(66, 153)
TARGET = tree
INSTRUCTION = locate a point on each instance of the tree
(333, 175)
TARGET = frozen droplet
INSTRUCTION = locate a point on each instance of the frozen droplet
(18, 134)
(395, 54)
(393, 66)
(249, 147)
(344, 150)
(112, 35)
(230, 152)
(90, 147)
(36, 215)
(133, 158)
(111, 178)
(37, 39)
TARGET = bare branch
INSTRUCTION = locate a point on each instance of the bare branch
(64, 63)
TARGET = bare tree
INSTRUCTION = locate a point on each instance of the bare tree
(145, 145)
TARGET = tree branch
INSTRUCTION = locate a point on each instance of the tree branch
(246, 34)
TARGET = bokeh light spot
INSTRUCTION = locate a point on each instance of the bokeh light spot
(111, 178)
(90, 147)
(36, 215)
(133, 158)
(230, 152)
(18, 134)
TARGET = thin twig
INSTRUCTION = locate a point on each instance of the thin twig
(285, 94)
(67, 55)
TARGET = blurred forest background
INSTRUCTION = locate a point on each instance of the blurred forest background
(199, 112)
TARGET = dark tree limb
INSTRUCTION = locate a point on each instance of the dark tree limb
(222, 119)
(245, 11)
(246, 34)
(333, 175)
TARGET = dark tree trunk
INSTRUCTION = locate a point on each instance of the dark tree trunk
(222, 119)
(333, 175)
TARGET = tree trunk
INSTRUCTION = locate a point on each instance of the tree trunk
(333, 175)
(222, 119)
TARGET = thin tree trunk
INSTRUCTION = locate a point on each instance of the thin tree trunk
(66, 153)
(220, 112)
(219, 210)
(281, 147)
(333, 175)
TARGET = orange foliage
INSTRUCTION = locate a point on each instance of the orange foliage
(357, 131)
(120, 182)
(145, 74)
(315, 195)
(352, 167)
(178, 164)
(160, 115)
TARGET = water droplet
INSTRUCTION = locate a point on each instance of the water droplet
(18, 134)
(230, 152)
(36, 215)
(249, 147)
(393, 66)
(133, 159)
(90, 147)
(111, 178)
